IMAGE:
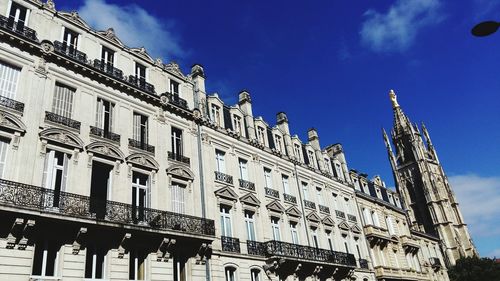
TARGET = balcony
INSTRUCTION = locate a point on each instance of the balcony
(386, 272)
(230, 244)
(408, 242)
(108, 68)
(58, 119)
(247, 185)
(70, 52)
(324, 209)
(340, 214)
(272, 192)
(141, 145)
(98, 132)
(178, 157)
(223, 178)
(309, 204)
(435, 263)
(255, 248)
(176, 100)
(351, 218)
(290, 198)
(22, 196)
(18, 28)
(12, 104)
(141, 84)
(376, 232)
(363, 263)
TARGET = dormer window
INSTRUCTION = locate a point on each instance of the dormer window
(260, 135)
(70, 39)
(140, 73)
(296, 149)
(18, 16)
(107, 56)
(174, 87)
(310, 154)
(278, 142)
(237, 124)
(215, 114)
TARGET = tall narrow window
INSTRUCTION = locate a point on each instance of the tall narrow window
(279, 143)
(107, 56)
(4, 145)
(230, 274)
(46, 258)
(346, 245)
(220, 161)
(178, 192)
(305, 191)
(9, 78)
(390, 226)
(100, 187)
(137, 265)
(268, 178)
(140, 133)
(215, 114)
(62, 104)
(294, 233)
(375, 220)
(225, 220)
(296, 149)
(177, 143)
(329, 239)
(70, 39)
(286, 187)
(261, 135)
(140, 73)
(314, 236)
(140, 184)
(104, 115)
(250, 225)
(310, 155)
(319, 196)
(18, 16)
(367, 217)
(174, 88)
(95, 262)
(275, 225)
(55, 173)
(237, 124)
(243, 169)
(255, 275)
(180, 267)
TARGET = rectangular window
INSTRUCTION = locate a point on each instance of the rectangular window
(100, 187)
(179, 267)
(250, 225)
(176, 143)
(178, 192)
(275, 225)
(18, 16)
(4, 145)
(268, 178)
(140, 72)
(329, 238)
(140, 190)
(107, 56)
(260, 135)
(70, 39)
(296, 149)
(140, 132)
(367, 216)
(319, 196)
(137, 265)
(243, 169)
(215, 114)
(9, 78)
(305, 191)
(62, 104)
(55, 173)
(314, 235)
(46, 258)
(375, 218)
(104, 115)
(255, 274)
(237, 124)
(390, 226)
(286, 187)
(230, 274)
(95, 262)
(220, 161)
(310, 155)
(294, 233)
(174, 88)
(278, 141)
(225, 220)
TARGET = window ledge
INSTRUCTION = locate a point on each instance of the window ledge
(44, 278)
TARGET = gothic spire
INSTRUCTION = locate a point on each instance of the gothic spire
(402, 123)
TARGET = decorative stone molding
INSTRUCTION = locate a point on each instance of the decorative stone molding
(15, 232)
(165, 249)
(204, 253)
(80, 237)
(124, 245)
(10, 123)
(275, 207)
(107, 150)
(61, 137)
(180, 171)
(142, 160)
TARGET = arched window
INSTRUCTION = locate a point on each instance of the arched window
(230, 273)
(255, 274)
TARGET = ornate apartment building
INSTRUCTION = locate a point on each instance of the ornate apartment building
(117, 166)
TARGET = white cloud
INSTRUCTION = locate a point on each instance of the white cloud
(397, 29)
(134, 26)
(494, 253)
(479, 199)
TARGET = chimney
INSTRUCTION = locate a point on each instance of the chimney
(312, 135)
(245, 103)
(282, 122)
(336, 151)
(200, 95)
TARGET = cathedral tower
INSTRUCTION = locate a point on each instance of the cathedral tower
(422, 184)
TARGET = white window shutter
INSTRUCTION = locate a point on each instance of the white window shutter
(3, 156)
(65, 172)
(48, 169)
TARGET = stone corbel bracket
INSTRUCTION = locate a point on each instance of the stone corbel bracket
(124, 245)
(204, 253)
(79, 240)
(15, 232)
(165, 249)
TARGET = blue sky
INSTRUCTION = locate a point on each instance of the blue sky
(330, 65)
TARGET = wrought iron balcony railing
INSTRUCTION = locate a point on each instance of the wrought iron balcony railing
(324, 209)
(12, 104)
(141, 84)
(223, 177)
(58, 119)
(309, 204)
(18, 28)
(272, 192)
(70, 52)
(255, 248)
(351, 218)
(340, 214)
(294, 251)
(95, 131)
(178, 157)
(247, 185)
(363, 263)
(108, 68)
(23, 196)
(230, 244)
(175, 99)
(290, 198)
(141, 145)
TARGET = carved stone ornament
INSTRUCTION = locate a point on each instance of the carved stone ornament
(105, 149)
(164, 99)
(62, 136)
(204, 253)
(143, 160)
(11, 122)
(197, 114)
(180, 172)
(50, 5)
(158, 62)
(47, 47)
(174, 67)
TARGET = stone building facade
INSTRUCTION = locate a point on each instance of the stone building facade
(117, 166)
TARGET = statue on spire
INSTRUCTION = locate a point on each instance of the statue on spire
(394, 99)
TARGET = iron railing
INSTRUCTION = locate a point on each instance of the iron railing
(141, 84)
(108, 68)
(23, 196)
(95, 131)
(363, 263)
(13, 104)
(340, 214)
(290, 198)
(223, 177)
(255, 248)
(309, 204)
(178, 157)
(288, 250)
(272, 192)
(230, 244)
(18, 28)
(247, 185)
(141, 145)
(324, 209)
(175, 99)
(70, 52)
(351, 218)
(58, 119)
